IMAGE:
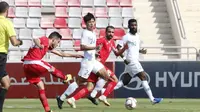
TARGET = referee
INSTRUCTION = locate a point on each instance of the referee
(7, 32)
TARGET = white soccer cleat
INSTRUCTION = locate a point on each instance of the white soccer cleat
(71, 102)
(103, 99)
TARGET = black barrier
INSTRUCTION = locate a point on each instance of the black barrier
(166, 79)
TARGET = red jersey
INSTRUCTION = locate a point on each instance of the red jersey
(35, 53)
(106, 48)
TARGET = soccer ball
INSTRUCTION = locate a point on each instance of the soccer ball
(130, 103)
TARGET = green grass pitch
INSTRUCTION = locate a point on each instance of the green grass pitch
(117, 105)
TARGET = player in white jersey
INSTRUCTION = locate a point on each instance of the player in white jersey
(88, 64)
(133, 67)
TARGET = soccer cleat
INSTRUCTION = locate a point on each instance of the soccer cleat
(103, 99)
(71, 102)
(50, 111)
(68, 78)
(156, 100)
(59, 102)
(93, 100)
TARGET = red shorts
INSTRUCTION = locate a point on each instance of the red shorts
(94, 78)
(33, 72)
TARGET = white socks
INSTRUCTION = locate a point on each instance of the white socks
(147, 90)
(99, 86)
(71, 88)
(119, 85)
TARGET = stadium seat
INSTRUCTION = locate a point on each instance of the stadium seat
(77, 33)
(74, 22)
(83, 24)
(119, 33)
(111, 3)
(101, 22)
(77, 44)
(26, 44)
(17, 32)
(74, 3)
(34, 12)
(66, 33)
(61, 12)
(87, 2)
(99, 2)
(46, 22)
(49, 31)
(127, 12)
(116, 22)
(10, 2)
(34, 3)
(60, 23)
(86, 10)
(14, 55)
(33, 23)
(66, 44)
(60, 3)
(125, 22)
(126, 3)
(11, 12)
(115, 12)
(101, 12)
(47, 3)
(74, 12)
(21, 12)
(37, 33)
(25, 34)
(23, 3)
(19, 22)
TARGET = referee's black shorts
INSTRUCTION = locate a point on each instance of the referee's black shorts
(3, 60)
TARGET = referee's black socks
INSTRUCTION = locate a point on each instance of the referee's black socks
(2, 97)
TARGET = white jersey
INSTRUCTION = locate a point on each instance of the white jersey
(132, 53)
(89, 38)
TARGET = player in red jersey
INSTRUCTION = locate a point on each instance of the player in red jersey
(34, 66)
(107, 44)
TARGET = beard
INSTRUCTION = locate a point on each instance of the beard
(133, 31)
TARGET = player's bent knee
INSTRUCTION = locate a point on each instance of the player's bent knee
(90, 86)
(103, 74)
(5, 82)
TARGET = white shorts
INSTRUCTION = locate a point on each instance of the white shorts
(89, 66)
(133, 68)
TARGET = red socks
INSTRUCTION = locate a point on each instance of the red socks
(81, 92)
(109, 88)
(58, 74)
(43, 100)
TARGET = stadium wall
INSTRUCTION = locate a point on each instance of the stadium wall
(20, 88)
(167, 79)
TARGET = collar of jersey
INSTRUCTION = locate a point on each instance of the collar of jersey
(2, 17)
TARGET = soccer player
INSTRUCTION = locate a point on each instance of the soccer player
(7, 32)
(34, 66)
(107, 45)
(89, 63)
(132, 41)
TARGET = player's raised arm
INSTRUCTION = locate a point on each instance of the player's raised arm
(120, 51)
(63, 54)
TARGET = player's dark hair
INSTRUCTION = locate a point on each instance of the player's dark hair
(88, 17)
(55, 35)
(131, 20)
(112, 27)
(3, 7)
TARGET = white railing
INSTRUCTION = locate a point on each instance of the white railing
(189, 51)
(179, 19)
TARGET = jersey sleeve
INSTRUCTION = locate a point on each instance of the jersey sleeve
(84, 38)
(10, 29)
(99, 41)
